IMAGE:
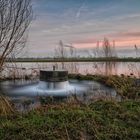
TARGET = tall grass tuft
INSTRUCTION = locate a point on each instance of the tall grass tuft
(5, 106)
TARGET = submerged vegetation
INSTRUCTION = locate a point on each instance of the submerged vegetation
(100, 120)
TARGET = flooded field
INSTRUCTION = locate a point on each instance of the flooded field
(101, 68)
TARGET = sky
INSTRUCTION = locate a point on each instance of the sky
(82, 23)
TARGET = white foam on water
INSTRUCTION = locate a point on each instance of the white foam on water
(65, 89)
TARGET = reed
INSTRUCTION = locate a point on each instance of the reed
(6, 107)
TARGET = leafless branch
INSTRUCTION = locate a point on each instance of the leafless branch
(15, 17)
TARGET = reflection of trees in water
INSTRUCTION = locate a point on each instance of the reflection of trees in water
(73, 67)
(107, 50)
(134, 69)
(105, 68)
(97, 67)
(110, 68)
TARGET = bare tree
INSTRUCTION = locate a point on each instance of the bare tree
(108, 50)
(15, 17)
(60, 52)
(137, 50)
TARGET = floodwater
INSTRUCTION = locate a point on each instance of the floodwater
(23, 92)
(19, 89)
(102, 68)
(86, 90)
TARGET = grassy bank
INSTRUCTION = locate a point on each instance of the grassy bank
(102, 120)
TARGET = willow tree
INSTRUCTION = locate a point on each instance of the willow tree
(15, 17)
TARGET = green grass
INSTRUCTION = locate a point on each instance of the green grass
(102, 120)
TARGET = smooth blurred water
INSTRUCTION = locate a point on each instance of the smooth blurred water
(26, 94)
(73, 87)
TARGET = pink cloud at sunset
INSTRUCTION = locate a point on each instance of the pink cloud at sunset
(121, 43)
(121, 40)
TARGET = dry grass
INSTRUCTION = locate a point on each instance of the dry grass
(5, 106)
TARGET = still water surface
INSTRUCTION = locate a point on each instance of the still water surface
(103, 68)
